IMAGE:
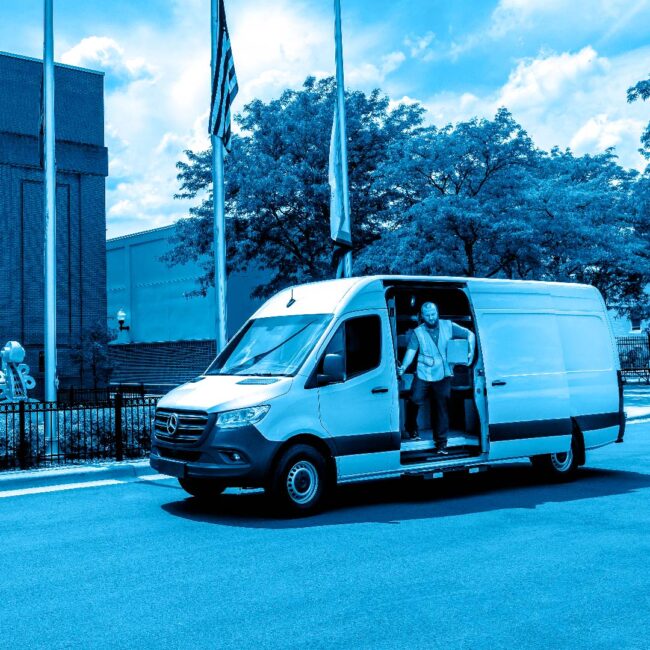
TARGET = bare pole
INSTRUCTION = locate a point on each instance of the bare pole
(218, 208)
(340, 98)
(50, 205)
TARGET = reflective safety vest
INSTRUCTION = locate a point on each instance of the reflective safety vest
(432, 358)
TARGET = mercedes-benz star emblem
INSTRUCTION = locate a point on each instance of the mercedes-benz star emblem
(172, 424)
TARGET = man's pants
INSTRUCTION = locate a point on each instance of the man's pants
(437, 393)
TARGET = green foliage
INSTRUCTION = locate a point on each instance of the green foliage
(277, 192)
(473, 199)
(641, 90)
(92, 354)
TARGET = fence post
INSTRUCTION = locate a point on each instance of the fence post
(22, 445)
(119, 443)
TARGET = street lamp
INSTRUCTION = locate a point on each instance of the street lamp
(121, 318)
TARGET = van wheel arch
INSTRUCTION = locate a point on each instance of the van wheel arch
(563, 466)
(579, 439)
(312, 441)
(301, 476)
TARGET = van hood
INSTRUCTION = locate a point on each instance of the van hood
(225, 392)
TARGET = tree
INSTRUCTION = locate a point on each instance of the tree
(478, 199)
(641, 90)
(586, 227)
(92, 354)
(277, 192)
(461, 201)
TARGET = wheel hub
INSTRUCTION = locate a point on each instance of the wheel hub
(302, 482)
(562, 461)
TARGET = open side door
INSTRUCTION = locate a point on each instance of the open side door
(526, 385)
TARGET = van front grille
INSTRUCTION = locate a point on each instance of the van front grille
(180, 426)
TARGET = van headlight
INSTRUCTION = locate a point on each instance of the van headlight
(242, 417)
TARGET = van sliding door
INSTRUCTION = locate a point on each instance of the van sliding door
(527, 390)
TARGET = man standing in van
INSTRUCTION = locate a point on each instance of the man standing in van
(432, 381)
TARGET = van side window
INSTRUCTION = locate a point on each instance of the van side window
(359, 340)
(362, 344)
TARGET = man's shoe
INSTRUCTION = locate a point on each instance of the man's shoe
(442, 451)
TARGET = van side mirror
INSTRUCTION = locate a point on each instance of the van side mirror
(333, 370)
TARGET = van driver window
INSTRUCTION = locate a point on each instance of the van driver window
(360, 338)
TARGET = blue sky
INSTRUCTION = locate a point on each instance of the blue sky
(561, 67)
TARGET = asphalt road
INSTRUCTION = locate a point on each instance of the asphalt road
(497, 560)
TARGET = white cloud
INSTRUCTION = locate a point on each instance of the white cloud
(104, 53)
(580, 20)
(600, 132)
(419, 46)
(541, 81)
(157, 88)
(521, 15)
(575, 100)
(369, 73)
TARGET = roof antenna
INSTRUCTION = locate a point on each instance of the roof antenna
(291, 300)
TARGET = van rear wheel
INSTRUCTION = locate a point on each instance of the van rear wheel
(560, 466)
(299, 482)
(202, 488)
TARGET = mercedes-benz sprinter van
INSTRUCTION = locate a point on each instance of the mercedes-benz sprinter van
(307, 394)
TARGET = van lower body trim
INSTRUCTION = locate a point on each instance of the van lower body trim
(530, 429)
(367, 443)
(599, 420)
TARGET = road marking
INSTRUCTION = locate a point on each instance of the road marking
(58, 488)
(154, 477)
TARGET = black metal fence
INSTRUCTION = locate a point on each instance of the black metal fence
(634, 352)
(40, 434)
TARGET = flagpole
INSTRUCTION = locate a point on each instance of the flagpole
(50, 209)
(218, 207)
(340, 98)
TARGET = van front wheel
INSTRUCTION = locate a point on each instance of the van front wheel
(299, 481)
(561, 466)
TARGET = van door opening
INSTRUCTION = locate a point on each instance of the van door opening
(464, 439)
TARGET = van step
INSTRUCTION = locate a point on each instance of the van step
(428, 456)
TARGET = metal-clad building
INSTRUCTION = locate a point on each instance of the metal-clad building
(170, 335)
(82, 163)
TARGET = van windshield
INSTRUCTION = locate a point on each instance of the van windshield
(271, 346)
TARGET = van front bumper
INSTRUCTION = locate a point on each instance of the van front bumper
(241, 457)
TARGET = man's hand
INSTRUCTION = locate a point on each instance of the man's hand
(400, 371)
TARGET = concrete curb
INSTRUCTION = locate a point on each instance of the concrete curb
(78, 474)
(638, 417)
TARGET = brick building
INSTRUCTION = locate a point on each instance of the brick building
(82, 164)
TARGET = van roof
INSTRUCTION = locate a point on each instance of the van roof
(328, 296)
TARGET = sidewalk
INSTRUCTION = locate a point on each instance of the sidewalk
(72, 474)
(637, 402)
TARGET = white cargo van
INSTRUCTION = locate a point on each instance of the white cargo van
(307, 395)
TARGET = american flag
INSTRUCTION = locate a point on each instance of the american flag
(224, 84)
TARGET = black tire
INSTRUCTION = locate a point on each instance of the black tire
(299, 482)
(202, 488)
(560, 466)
